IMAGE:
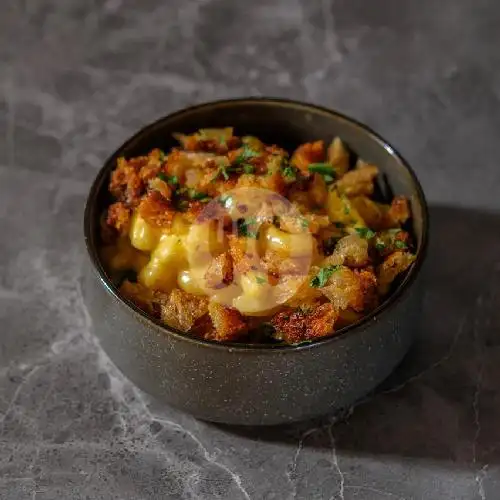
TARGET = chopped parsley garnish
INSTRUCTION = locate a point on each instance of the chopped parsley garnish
(169, 179)
(248, 169)
(222, 170)
(380, 245)
(260, 280)
(365, 232)
(195, 195)
(321, 279)
(245, 155)
(290, 172)
(324, 169)
(400, 244)
(246, 227)
(304, 222)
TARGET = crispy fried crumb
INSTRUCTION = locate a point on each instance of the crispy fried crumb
(228, 322)
(352, 289)
(181, 310)
(299, 325)
(156, 210)
(393, 265)
(118, 217)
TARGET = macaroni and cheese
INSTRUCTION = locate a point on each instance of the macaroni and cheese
(230, 239)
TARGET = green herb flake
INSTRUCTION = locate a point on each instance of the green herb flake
(162, 156)
(365, 232)
(304, 223)
(222, 170)
(260, 280)
(380, 245)
(290, 172)
(400, 244)
(339, 225)
(163, 176)
(245, 228)
(324, 169)
(169, 179)
(195, 195)
(245, 155)
(321, 279)
(248, 169)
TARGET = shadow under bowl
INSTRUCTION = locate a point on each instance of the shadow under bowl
(257, 384)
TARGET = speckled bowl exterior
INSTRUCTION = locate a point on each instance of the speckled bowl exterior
(249, 384)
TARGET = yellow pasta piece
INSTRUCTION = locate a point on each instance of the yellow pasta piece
(161, 271)
(143, 236)
(203, 242)
(189, 280)
(180, 224)
(227, 295)
(288, 245)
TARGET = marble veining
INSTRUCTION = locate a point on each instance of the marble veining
(77, 78)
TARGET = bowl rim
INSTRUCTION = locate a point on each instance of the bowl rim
(242, 347)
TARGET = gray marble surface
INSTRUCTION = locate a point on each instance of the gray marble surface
(78, 77)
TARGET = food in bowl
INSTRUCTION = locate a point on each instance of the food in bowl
(232, 240)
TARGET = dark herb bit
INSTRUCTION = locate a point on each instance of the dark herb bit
(260, 280)
(365, 232)
(380, 245)
(195, 195)
(182, 205)
(400, 244)
(329, 244)
(320, 280)
(248, 169)
(340, 225)
(246, 227)
(245, 155)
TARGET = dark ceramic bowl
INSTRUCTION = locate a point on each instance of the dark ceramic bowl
(257, 384)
